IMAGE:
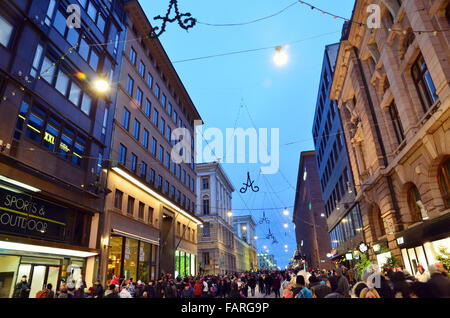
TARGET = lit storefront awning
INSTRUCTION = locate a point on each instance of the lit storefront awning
(44, 249)
(136, 237)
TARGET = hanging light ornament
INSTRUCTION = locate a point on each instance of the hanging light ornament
(185, 20)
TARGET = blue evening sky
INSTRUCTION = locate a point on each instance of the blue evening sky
(283, 98)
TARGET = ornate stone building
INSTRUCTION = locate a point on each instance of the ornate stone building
(392, 89)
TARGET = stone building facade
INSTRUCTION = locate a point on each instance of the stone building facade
(216, 243)
(393, 93)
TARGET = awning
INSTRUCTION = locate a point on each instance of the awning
(430, 230)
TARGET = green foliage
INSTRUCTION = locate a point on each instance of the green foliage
(363, 263)
(444, 258)
(391, 262)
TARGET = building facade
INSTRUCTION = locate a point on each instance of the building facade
(55, 130)
(392, 89)
(309, 217)
(267, 262)
(336, 178)
(150, 227)
(216, 242)
(245, 243)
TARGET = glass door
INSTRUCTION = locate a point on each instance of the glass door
(38, 279)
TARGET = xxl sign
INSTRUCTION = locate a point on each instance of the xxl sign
(23, 214)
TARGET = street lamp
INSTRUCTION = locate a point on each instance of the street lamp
(101, 85)
(255, 237)
(286, 212)
(230, 214)
(280, 58)
(285, 225)
(244, 228)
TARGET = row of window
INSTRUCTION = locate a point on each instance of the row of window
(332, 160)
(341, 187)
(51, 132)
(187, 233)
(347, 228)
(131, 207)
(160, 184)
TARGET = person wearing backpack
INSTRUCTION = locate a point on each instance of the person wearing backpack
(46, 293)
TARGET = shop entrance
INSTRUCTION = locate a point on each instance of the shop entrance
(39, 276)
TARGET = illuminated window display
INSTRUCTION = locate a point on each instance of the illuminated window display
(185, 264)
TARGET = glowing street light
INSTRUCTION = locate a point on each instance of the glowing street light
(285, 246)
(255, 237)
(280, 58)
(285, 225)
(244, 228)
(286, 212)
(101, 85)
(265, 246)
(230, 214)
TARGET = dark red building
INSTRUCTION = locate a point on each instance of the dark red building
(310, 223)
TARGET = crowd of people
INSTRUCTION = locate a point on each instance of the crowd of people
(341, 282)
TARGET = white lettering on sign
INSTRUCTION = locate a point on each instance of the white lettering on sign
(19, 204)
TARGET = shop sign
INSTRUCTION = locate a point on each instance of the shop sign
(127, 250)
(363, 247)
(23, 214)
(349, 256)
(400, 240)
(141, 254)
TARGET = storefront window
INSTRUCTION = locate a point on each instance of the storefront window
(115, 256)
(130, 259)
(8, 271)
(182, 264)
(144, 261)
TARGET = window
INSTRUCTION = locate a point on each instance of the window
(118, 199)
(62, 82)
(168, 160)
(160, 183)
(78, 150)
(154, 144)
(74, 94)
(136, 129)
(141, 211)
(157, 91)
(162, 127)
(51, 133)
(163, 100)
(148, 106)
(143, 169)
(179, 172)
(178, 196)
(205, 205)
(133, 56)
(396, 122)
(206, 233)
(133, 162)
(47, 70)
(169, 133)
(415, 203)
(161, 153)
(122, 154)
(150, 215)
(155, 117)
(126, 119)
(130, 206)
(35, 124)
(205, 182)
(93, 60)
(145, 138)
(86, 105)
(142, 69)
(184, 176)
(152, 176)
(169, 109)
(172, 192)
(149, 80)
(130, 84)
(444, 181)
(175, 116)
(424, 83)
(139, 96)
(92, 11)
(36, 60)
(166, 187)
(66, 143)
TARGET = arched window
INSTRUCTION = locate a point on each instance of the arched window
(377, 221)
(380, 223)
(415, 203)
(444, 181)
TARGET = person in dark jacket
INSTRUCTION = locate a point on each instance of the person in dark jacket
(276, 285)
(150, 289)
(261, 284)
(234, 293)
(343, 287)
(268, 284)
(252, 284)
(98, 290)
(22, 288)
(114, 293)
(187, 292)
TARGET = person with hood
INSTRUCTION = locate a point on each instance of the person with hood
(22, 288)
(343, 287)
(301, 291)
(322, 288)
(422, 275)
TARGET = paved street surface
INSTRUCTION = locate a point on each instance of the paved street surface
(259, 295)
